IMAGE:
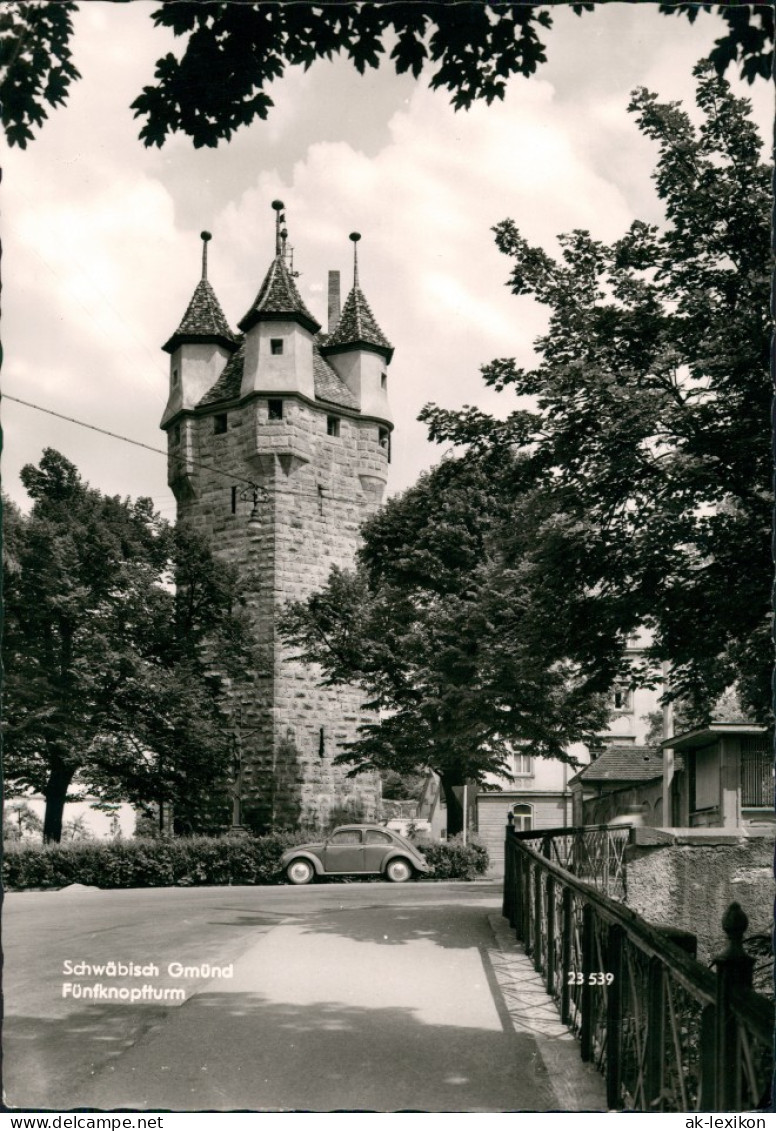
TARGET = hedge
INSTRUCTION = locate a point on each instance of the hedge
(138, 863)
(454, 860)
(188, 862)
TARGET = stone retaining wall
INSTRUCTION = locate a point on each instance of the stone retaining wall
(687, 879)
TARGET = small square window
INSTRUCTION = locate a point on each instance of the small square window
(276, 345)
(332, 426)
(274, 410)
(220, 422)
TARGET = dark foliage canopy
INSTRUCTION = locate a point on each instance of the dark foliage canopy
(119, 636)
(234, 49)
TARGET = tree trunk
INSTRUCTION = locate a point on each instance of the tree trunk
(58, 783)
(451, 782)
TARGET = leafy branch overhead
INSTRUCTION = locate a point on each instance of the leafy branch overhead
(234, 50)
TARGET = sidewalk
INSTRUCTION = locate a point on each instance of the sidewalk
(577, 1085)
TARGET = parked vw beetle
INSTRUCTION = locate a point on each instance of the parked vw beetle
(355, 850)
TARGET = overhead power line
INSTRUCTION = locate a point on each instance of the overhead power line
(125, 439)
(161, 452)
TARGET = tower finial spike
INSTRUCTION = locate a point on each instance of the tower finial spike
(278, 205)
(205, 237)
(355, 237)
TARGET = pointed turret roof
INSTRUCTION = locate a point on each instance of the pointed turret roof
(357, 327)
(204, 320)
(278, 298)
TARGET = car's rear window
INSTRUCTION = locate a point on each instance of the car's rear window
(374, 837)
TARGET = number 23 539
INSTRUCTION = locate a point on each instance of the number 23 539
(595, 978)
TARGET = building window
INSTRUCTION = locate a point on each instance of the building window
(756, 773)
(522, 765)
(622, 698)
(175, 377)
(383, 380)
(220, 422)
(274, 410)
(276, 346)
(522, 818)
(234, 500)
(332, 426)
(176, 434)
(384, 439)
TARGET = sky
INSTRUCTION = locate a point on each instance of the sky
(101, 247)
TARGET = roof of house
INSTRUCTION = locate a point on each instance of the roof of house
(329, 386)
(623, 764)
(278, 296)
(704, 736)
(204, 320)
(357, 325)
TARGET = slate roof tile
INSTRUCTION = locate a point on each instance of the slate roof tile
(358, 324)
(329, 386)
(204, 318)
(277, 295)
(624, 763)
(227, 387)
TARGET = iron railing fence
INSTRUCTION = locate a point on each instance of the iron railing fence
(667, 1033)
(594, 853)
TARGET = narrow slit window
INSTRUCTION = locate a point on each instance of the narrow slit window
(332, 426)
(622, 699)
(175, 377)
(383, 380)
(220, 422)
(234, 500)
(176, 434)
(274, 410)
(276, 346)
(384, 438)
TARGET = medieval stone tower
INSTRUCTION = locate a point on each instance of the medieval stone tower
(278, 442)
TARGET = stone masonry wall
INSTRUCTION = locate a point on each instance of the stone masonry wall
(691, 884)
(318, 489)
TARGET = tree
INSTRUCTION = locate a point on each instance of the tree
(652, 398)
(235, 49)
(113, 677)
(20, 818)
(456, 625)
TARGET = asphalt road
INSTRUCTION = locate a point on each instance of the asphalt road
(359, 996)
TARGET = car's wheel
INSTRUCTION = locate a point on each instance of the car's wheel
(398, 871)
(300, 872)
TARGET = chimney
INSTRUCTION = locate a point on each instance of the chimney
(334, 299)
